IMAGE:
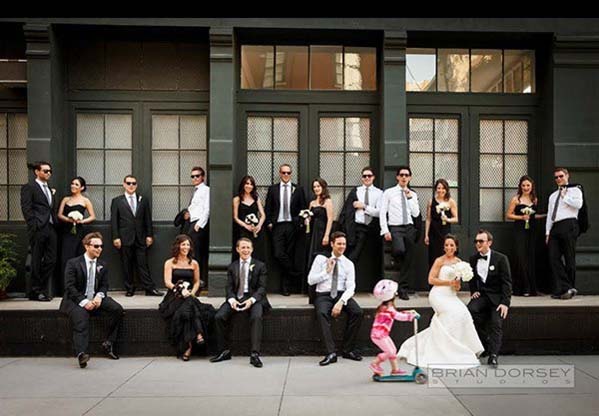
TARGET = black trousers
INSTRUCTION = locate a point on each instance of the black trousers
(201, 242)
(80, 321)
(361, 239)
(132, 257)
(562, 242)
(284, 236)
(488, 323)
(223, 315)
(403, 241)
(44, 244)
(323, 305)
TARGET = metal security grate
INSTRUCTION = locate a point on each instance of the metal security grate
(13, 164)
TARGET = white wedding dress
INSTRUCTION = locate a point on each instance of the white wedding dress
(451, 340)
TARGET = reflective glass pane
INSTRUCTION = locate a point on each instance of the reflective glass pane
(3, 130)
(17, 167)
(185, 195)
(337, 198)
(420, 70)
(331, 133)
(259, 133)
(516, 136)
(291, 71)
(3, 203)
(424, 194)
(118, 131)
(188, 160)
(491, 205)
(519, 69)
(118, 164)
(165, 168)
(446, 135)
(357, 133)
(515, 168)
(453, 66)
(486, 70)
(3, 170)
(90, 131)
(14, 210)
(286, 131)
(422, 169)
(491, 171)
(331, 168)
(165, 132)
(326, 67)
(291, 159)
(421, 134)
(17, 131)
(193, 132)
(491, 136)
(260, 167)
(90, 165)
(96, 196)
(360, 69)
(446, 167)
(165, 202)
(111, 192)
(354, 163)
(257, 67)
(507, 197)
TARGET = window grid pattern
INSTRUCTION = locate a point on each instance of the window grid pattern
(434, 154)
(503, 160)
(179, 142)
(344, 152)
(13, 162)
(271, 141)
(104, 151)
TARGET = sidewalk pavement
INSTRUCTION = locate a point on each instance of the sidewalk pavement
(284, 386)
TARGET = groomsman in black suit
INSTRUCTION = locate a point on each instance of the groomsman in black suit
(284, 202)
(86, 287)
(491, 292)
(38, 206)
(245, 292)
(132, 235)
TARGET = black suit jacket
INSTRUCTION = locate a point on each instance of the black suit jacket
(347, 218)
(257, 282)
(129, 228)
(75, 281)
(273, 203)
(498, 287)
(36, 210)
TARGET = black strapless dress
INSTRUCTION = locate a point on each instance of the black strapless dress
(524, 254)
(71, 246)
(258, 242)
(436, 233)
(318, 226)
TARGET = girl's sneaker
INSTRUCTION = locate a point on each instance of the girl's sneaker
(376, 369)
(399, 372)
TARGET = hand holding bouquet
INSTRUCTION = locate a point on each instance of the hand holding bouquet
(442, 208)
(527, 211)
(76, 216)
(252, 220)
(463, 271)
(306, 214)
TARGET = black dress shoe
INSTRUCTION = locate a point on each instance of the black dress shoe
(83, 358)
(492, 361)
(130, 293)
(285, 292)
(40, 297)
(108, 350)
(352, 355)
(255, 360)
(568, 295)
(483, 354)
(403, 295)
(225, 355)
(154, 292)
(328, 359)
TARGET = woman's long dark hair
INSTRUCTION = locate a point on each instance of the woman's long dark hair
(241, 190)
(455, 240)
(176, 247)
(533, 195)
(81, 182)
(445, 185)
(324, 195)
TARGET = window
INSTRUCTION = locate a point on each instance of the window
(421, 70)
(257, 63)
(104, 143)
(486, 70)
(503, 160)
(178, 144)
(13, 159)
(271, 141)
(434, 154)
(454, 70)
(344, 151)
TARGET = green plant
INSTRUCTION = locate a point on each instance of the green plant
(8, 259)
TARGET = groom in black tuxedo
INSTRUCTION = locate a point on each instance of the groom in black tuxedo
(284, 201)
(491, 291)
(246, 292)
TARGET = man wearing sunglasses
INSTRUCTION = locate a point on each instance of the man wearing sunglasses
(86, 287)
(561, 232)
(38, 206)
(132, 235)
(199, 214)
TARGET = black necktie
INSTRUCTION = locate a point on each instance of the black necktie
(555, 206)
(480, 256)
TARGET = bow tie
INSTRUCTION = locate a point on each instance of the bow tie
(480, 256)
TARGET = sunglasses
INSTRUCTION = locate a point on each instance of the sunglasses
(404, 175)
(367, 176)
(47, 170)
(195, 176)
(480, 241)
(131, 183)
(96, 245)
(285, 173)
(558, 176)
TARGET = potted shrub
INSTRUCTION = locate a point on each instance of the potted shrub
(8, 260)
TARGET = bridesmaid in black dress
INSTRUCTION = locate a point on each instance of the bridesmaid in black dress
(438, 221)
(187, 317)
(523, 210)
(71, 230)
(321, 223)
(245, 204)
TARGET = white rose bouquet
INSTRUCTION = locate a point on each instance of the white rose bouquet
(306, 214)
(77, 216)
(527, 211)
(442, 208)
(251, 219)
(463, 271)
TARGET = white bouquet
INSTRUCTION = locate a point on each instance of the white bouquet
(463, 271)
(252, 220)
(306, 214)
(77, 216)
(527, 211)
(442, 208)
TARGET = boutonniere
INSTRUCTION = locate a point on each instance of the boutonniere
(139, 198)
(292, 188)
(491, 267)
(252, 267)
(99, 268)
(53, 191)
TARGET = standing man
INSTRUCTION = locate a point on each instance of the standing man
(246, 292)
(561, 232)
(400, 204)
(284, 201)
(491, 292)
(38, 207)
(132, 235)
(199, 213)
(360, 214)
(85, 294)
(335, 281)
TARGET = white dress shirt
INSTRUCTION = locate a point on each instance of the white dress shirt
(128, 199)
(568, 206)
(199, 209)
(482, 266)
(44, 186)
(392, 205)
(374, 202)
(281, 218)
(346, 276)
(87, 264)
(246, 286)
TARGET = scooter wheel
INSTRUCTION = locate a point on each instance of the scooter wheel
(421, 378)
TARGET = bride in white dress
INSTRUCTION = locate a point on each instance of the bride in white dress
(451, 340)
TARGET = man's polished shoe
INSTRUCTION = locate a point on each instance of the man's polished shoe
(352, 355)
(83, 358)
(224, 355)
(556, 296)
(40, 297)
(107, 347)
(154, 292)
(130, 293)
(492, 361)
(403, 295)
(255, 360)
(568, 295)
(329, 359)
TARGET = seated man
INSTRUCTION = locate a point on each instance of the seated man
(335, 281)
(86, 285)
(246, 292)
